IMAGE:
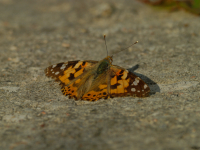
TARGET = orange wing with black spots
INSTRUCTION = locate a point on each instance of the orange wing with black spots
(92, 80)
(69, 74)
(68, 71)
(125, 83)
(118, 82)
(98, 88)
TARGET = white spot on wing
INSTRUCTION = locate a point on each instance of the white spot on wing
(145, 86)
(63, 66)
(136, 81)
(133, 89)
(57, 73)
(138, 91)
(54, 66)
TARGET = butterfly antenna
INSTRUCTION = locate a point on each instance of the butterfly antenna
(105, 43)
(126, 47)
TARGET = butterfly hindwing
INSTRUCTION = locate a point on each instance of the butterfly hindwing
(98, 88)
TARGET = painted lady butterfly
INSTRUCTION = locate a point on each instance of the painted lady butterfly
(92, 80)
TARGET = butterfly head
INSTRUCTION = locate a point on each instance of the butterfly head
(110, 59)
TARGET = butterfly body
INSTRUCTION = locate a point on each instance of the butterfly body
(93, 80)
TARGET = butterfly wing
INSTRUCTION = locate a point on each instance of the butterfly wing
(78, 80)
(125, 83)
(70, 74)
(98, 88)
(68, 71)
(116, 82)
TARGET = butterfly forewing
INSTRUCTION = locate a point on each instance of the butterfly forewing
(67, 71)
(125, 83)
(69, 74)
(55, 71)
(137, 87)
(98, 88)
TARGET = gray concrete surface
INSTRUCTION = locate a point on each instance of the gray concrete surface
(35, 115)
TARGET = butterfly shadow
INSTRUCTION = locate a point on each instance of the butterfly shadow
(152, 85)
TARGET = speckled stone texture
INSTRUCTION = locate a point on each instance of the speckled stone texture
(35, 115)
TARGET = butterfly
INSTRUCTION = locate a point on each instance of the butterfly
(92, 80)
